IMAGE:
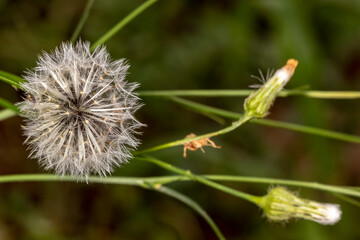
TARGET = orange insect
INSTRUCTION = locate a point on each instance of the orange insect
(196, 144)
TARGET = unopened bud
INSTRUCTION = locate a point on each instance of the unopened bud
(282, 205)
(258, 103)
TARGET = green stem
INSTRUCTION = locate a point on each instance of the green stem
(196, 93)
(266, 122)
(348, 199)
(310, 130)
(346, 190)
(56, 178)
(122, 23)
(6, 104)
(82, 21)
(187, 173)
(243, 119)
(7, 113)
(147, 183)
(274, 181)
(12, 79)
(195, 206)
(245, 93)
(322, 94)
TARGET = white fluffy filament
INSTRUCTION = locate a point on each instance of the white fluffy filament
(79, 111)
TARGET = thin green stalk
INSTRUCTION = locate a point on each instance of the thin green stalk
(346, 190)
(245, 93)
(82, 21)
(322, 94)
(192, 204)
(309, 130)
(266, 122)
(272, 181)
(6, 104)
(147, 183)
(196, 93)
(348, 199)
(343, 190)
(92, 179)
(7, 113)
(122, 23)
(12, 79)
(251, 198)
(243, 119)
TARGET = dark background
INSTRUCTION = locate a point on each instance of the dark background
(179, 44)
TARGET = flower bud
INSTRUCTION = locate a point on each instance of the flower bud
(282, 205)
(258, 103)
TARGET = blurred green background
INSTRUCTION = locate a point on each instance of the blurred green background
(184, 44)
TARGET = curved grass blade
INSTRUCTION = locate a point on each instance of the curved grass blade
(191, 203)
(82, 21)
(147, 183)
(348, 199)
(12, 79)
(198, 107)
(122, 23)
(261, 180)
(7, 113)
(6, 104)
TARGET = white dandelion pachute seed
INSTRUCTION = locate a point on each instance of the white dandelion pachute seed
(79, 111)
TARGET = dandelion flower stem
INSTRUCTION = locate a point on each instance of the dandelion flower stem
(122, 23)
(243, 119)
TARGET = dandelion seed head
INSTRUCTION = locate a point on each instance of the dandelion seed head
(80, 111)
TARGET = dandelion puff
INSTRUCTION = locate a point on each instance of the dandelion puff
(80, 111)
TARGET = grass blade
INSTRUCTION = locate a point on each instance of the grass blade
(348, 199)
(11, 79)
(192, 204)
(122, 23)
(147, 183)
(6, 104)
(198, 107)
(7, 113)
(82, 21)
